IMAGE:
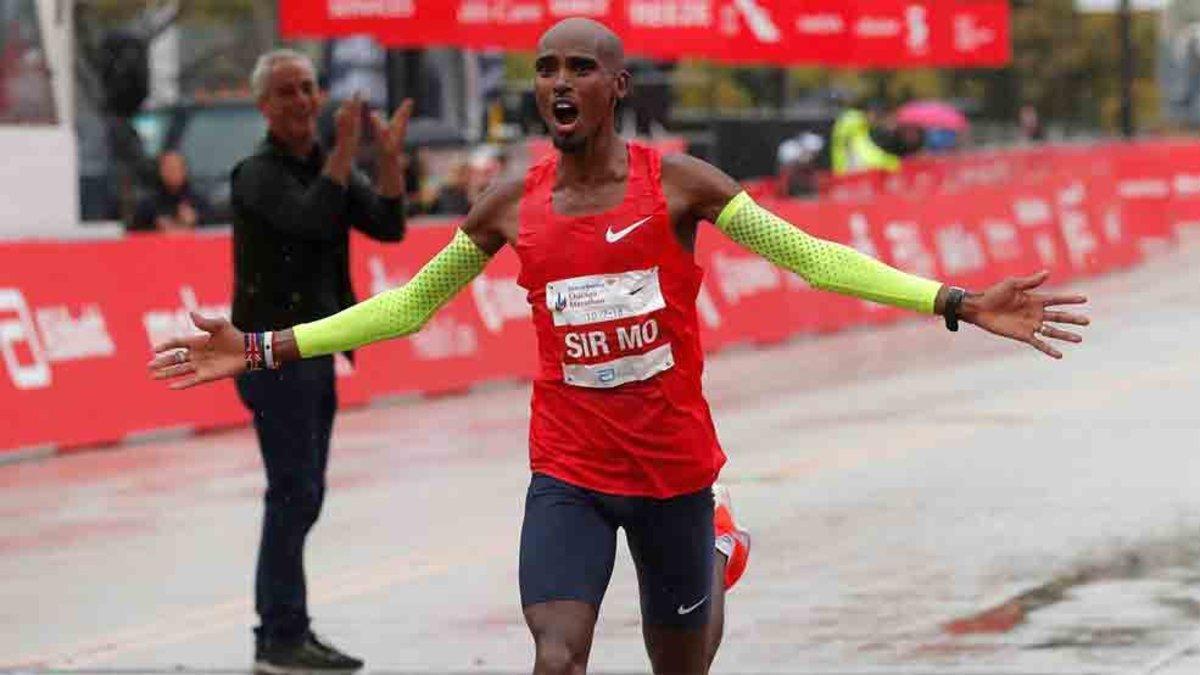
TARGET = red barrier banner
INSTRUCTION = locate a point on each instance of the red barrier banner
(1151, 188)
(77, 320)
(76, 325)
(876, 34)
(1185, 186)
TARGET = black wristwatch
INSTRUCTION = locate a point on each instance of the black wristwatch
(953, 301)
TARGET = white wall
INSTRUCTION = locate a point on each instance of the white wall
(40, 193)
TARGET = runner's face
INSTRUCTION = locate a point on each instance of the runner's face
(576, 92)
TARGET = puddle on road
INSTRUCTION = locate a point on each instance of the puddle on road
(1117, 606)
(1092, 638)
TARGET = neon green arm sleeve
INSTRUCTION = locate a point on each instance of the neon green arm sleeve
(823, 264)
(399, 311)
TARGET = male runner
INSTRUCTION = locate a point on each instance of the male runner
(620, 434)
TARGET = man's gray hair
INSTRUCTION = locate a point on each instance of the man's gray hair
(266, 62)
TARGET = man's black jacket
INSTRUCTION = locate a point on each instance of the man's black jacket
(291, 236)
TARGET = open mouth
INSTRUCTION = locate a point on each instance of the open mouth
(566, 114)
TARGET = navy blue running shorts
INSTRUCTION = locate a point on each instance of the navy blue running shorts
(569, 543)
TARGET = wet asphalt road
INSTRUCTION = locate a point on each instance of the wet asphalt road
(921, 503)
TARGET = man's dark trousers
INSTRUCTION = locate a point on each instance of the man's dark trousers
(293, 414)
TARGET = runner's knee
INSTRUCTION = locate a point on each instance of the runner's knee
(558, 656)
(562, 635)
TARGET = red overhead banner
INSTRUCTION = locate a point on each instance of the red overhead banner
(875, 33)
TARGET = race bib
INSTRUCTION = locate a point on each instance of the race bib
(629, 348)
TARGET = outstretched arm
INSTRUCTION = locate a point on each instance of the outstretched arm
(1010, 308)
(224, 351)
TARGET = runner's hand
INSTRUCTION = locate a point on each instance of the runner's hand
(219, 352)
(1012, 309)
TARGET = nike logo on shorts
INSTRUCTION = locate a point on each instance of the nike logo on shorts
(613, 237)
(681, 610)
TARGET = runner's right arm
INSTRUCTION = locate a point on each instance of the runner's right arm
(405, 310)
(225, 351)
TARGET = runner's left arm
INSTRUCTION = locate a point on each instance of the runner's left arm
(715, 197)
(1012, 308)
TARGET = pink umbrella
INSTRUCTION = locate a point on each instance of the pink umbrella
(932, 115)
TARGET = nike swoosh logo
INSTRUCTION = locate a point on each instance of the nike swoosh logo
(613, 237)
(681, 610)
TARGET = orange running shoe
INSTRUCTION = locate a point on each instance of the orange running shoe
(732, 541)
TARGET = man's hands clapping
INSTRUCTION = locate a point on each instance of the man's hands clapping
(389, 142)
(389, 137)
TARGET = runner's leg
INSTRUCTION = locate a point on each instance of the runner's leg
(716, 621)
(671, 541)
(568, 546)
(733, 554)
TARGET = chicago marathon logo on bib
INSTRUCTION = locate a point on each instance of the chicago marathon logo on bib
(604, 297)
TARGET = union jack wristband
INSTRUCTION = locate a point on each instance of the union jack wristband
(254, 351)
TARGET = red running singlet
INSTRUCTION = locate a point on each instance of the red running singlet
(617, 403)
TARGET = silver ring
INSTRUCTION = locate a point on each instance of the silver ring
(181, 357)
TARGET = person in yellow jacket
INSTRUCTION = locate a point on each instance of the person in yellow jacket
(852, 149)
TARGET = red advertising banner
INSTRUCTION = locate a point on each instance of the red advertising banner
(76, 325)
(876, 34)
(77, 320)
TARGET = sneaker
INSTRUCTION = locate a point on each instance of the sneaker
(732, 541)
(310, 655)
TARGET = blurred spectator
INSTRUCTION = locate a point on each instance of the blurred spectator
(502, 162)
(651, 98)
(935, 126)
(452, 197)
(26, 95)
(413, 166)
(797, 160)
(853, 148)
(900, 140)
(941, 140)
(172, 205)
(909, 139)
(486, 164)
(1030, 123)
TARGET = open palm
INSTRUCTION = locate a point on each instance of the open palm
(188, 361)
(1013, 309)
